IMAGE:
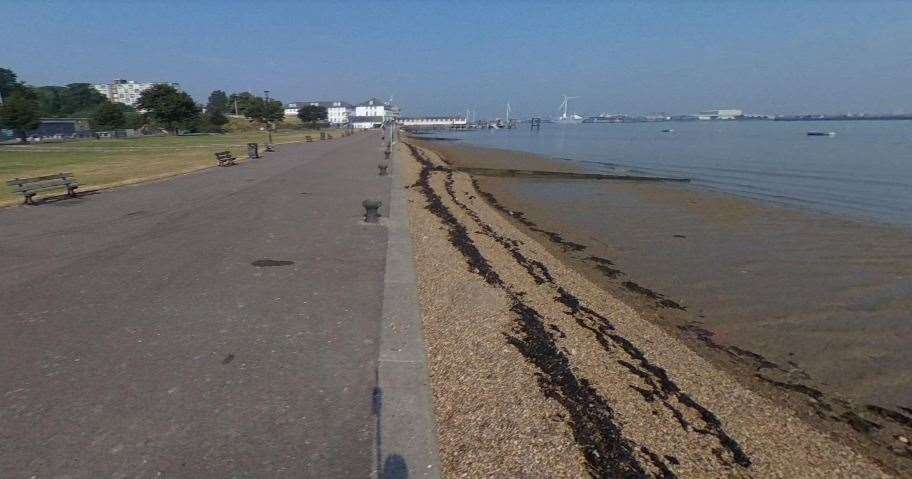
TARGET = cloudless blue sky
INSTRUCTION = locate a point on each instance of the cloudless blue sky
(443, 57)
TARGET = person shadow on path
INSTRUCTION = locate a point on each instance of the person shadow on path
(394, 467)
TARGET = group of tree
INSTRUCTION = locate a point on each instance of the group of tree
(216, 109)
(19, 111)
(161, 105)
(265, 111)
(312, 114)
(24, 106)
(169, 108)
(74, 100)
(254, 108)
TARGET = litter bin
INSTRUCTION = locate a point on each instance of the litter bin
(322, 135)
(252, 151)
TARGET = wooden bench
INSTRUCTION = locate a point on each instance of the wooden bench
(28, 187)
(224, 158)
(309, 139)
(329, 136)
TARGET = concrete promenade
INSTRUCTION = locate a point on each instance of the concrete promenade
(220, 324)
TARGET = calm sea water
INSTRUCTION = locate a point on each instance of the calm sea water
(865, 171)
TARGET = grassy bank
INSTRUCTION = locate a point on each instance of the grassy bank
(105, 163)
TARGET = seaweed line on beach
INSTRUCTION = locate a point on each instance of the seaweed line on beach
(592, 420)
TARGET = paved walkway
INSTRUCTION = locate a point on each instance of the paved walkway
(219, 324)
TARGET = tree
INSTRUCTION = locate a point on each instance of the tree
(75, 99)
(218, 101)
(80, 99)
(110, 116)
(49, 100)
(260, 111)
(312, 114)
(8, 82)
(134, 120)
(20, 113)
(215, 111)
(240, 101)
(216, 119)
(169, 108)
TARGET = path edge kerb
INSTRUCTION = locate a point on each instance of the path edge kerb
(407, 428)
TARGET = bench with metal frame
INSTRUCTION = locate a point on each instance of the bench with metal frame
(28, 187)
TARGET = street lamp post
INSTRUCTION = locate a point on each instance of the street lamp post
(268, 124)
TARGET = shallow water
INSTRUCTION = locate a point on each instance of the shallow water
(865, 171)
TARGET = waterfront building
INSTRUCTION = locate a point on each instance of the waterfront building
(375, 107)
(371, 107)
(337, 112)
(729, 114)
(127, 91)
(434, 122)
(373, 113)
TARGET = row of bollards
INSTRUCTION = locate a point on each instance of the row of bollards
(372, 207)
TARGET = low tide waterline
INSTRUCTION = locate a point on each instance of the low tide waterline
(827, 299)
(863, 171)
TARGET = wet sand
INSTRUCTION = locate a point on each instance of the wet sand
(810, 309)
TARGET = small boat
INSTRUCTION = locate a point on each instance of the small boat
(668, 130)
(821, 133)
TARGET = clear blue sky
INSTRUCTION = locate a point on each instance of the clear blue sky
(443, 57)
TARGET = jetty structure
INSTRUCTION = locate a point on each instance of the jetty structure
(433, 122)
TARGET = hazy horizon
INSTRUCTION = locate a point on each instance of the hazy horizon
(442, 58)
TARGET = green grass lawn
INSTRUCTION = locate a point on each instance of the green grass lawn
(106, 163)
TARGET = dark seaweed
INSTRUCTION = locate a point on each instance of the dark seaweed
(858, 423)
(798, 388)
(659, 298)
(894, 416)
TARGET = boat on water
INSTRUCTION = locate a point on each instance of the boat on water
(668, 130)
(821, 133)
(566, 119)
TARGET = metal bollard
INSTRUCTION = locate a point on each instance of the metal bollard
(383, 168)
(371, 210)
(253, 151)
(269, 147)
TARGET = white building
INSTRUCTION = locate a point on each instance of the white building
(433, 122)
(127, 91)
(720, 114)
(373, 113)
(372, 107)
(337, 112)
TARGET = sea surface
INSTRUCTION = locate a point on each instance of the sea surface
(864, 171)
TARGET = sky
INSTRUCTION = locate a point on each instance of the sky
(432, 57)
